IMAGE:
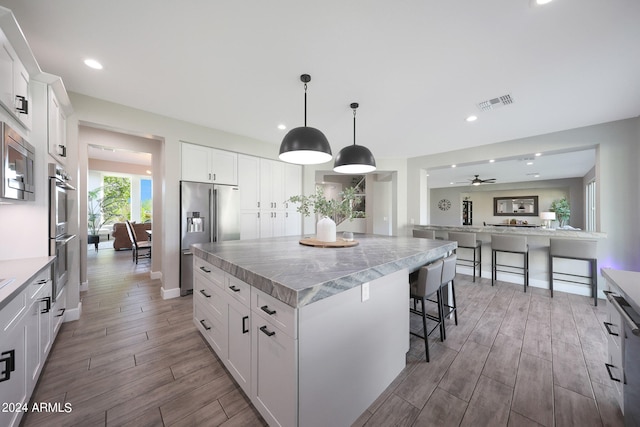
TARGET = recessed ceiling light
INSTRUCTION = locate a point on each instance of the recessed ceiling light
(451, 183)
(529, 163)
(453, 166)
(543, 1)
(471, 118)
(491, 161)
(538, 154)
(148, 171)
(537, 175)
(92, 63)
(281, 126)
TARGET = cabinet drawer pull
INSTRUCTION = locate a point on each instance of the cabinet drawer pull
(10, 364)
(265, 308)
(204, 326)
(234, 288)
(206, 270)
(62, 310)
(606, 325)
(204, 293)
(23, 106)
(244, 324)
(48, 307)
(609, 366)
(266, 331)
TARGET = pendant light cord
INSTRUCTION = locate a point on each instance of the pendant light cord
(305, 105)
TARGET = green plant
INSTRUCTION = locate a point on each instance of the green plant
(331, 208)
(562, 209)
(104, 204)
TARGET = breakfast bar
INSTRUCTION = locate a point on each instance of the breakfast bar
(327, 329)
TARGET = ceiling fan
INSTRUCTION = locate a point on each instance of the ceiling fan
(478, 181)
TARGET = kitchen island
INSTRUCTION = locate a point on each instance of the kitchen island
(538, 241)
(326, 329)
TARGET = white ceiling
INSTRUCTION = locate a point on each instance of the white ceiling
(418, 68)
(118, 155)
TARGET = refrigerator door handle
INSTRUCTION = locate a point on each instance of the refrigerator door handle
(213, 215)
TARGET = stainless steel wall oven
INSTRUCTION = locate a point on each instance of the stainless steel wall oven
(16, 170)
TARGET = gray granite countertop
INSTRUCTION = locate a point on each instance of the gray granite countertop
(628, 282)
(299, 275)
(20, 272)
(525, 231)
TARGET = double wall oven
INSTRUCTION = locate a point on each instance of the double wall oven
(59, 235)
(16, 171)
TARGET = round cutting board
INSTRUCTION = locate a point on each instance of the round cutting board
(320, 244)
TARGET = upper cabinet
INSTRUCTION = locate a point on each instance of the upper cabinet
(15, 91)
(56, 126)
(206, 164)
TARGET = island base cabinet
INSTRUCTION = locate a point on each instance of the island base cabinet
(239, 356)
(211, 328)
(274, 390)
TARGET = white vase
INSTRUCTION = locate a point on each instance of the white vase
(326, 230)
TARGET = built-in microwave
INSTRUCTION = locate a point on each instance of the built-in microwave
(17, 170)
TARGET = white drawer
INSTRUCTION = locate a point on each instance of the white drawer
(42, 279)
(210, 296)
(240, 290)
(213, 329)
(13, 310)
(281, 315)
(205, 269)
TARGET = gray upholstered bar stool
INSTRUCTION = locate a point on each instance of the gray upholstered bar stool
(468, 241)
(448, 276)
(581, 250)
(509, 244)
(424, 234)
(422, 285)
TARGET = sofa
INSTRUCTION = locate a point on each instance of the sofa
(121, 237)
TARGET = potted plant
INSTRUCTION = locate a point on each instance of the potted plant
(330, 210)
(562, 209)
(102, 207)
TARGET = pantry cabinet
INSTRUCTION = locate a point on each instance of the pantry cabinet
(206, 164)
(56, 126)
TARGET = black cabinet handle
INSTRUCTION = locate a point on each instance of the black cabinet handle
(234, 288)
(609, 371)
(63, 150)
(204, 326)
(205, 269)
(244, 324)
(62, 310)
(48, 308)
(265, 308)
(266, 331)
(24, 105)
(204, 293)
(10, 364)
(606, 325)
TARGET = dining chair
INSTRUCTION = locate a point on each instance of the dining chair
(140, 249)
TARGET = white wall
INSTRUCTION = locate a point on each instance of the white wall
(617, 178)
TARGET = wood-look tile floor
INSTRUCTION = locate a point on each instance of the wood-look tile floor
(514, 359)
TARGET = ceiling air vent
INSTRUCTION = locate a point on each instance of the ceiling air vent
(494, 103)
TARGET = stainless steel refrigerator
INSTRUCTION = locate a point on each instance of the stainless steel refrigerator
(208, 213)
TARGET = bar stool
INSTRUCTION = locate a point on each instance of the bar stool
(468, 241)
(509, 244)
(424, 234)
(422, 285)
(581, 250)
(448, 276)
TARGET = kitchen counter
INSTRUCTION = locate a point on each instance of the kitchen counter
(516, 230)
(627, 282)
(22, 272)
(299, 275)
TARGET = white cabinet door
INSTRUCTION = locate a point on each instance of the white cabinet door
(271, 184)
(15, 90)
(196, 163)
(292, 223)
(44, 303)
(249, 224)
(292, 183)
(57, 313)
(272, 223)
(22, 100)
(7, 59)
(224, 167)
(274, 377)
(56, 127)
(249, 182)
(13, 369)
(239, 345)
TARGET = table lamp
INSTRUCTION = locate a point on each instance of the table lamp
(547, 217)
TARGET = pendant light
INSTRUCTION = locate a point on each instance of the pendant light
(354, 158)
(305, 145)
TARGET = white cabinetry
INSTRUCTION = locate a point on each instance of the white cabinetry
(206, 164)
(249, 184)
(15, 91)
(615, 347)
(56, 126)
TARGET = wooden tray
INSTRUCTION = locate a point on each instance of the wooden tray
(319, 244)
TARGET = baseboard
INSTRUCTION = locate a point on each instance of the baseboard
(169, 293)
(84, 286)
(71, 314)
(155, 275)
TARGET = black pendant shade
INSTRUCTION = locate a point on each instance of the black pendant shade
(305, 145)
(354, 158)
